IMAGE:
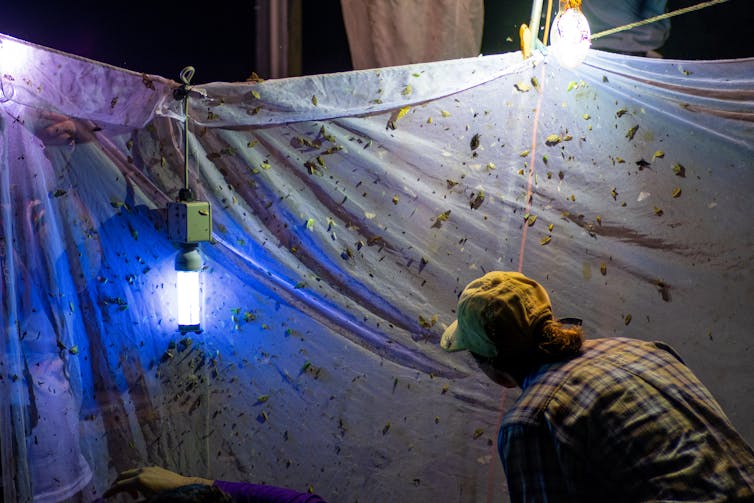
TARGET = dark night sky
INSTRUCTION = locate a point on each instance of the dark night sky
(218, 41)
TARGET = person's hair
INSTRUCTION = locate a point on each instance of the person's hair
(192, 493)
(556, 341)
(550, 341)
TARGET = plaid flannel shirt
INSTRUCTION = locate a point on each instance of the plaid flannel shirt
(624, 421)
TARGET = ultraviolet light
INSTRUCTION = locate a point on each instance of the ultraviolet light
(188, 263)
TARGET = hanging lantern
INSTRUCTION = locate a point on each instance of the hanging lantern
(189, 223)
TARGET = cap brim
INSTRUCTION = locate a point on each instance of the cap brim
(452, 340)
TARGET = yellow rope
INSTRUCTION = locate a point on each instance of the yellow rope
(657, 18)
(547, 21)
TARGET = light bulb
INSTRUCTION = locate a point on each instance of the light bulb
(188, 263)
(570, 37)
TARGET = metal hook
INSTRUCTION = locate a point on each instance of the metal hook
(181, 93)
(187, 74)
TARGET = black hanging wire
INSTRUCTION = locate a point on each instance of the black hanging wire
(181, 94)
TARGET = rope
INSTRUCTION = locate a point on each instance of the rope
(530, 181)
(547, 21)
(658, 18)
(529, 194)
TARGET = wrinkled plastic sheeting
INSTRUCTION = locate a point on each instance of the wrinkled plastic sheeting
(349, 211)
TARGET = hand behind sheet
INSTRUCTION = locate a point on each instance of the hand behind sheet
(150, 480)
(62, 130)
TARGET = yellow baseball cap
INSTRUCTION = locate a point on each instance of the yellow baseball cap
(508, 301)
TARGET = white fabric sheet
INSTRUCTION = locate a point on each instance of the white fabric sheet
(349, 210)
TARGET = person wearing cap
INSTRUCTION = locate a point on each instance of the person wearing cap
(612, 419)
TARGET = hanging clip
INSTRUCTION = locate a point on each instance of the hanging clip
(181, 93)
(524, 34)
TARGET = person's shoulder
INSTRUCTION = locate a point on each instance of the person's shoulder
(599, 365)
(611, 358)
(611, 342)
(628, 345)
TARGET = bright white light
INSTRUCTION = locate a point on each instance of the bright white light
(16, 61)
(188, 298)
(570, 38)
(15, 55)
